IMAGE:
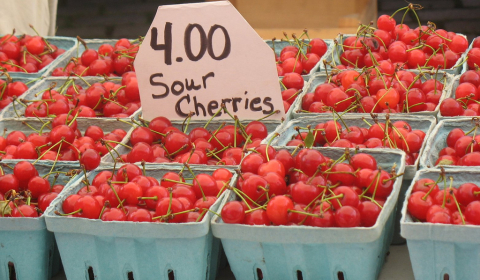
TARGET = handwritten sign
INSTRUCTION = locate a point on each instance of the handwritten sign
(197, 56)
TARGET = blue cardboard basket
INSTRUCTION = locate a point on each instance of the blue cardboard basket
(437, 250)
(119, 250)
(438, 140)
(25, 244)
(214, 124)
(318, 79)
(291, 252)
(77, 51)
(66, 43)
(83, 123)
(280, 44)
(458, 68)
(423, 123)
(450, 94)
(30, 82)
(36, 90)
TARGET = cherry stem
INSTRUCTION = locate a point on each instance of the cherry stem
(214, 115)
(72, 213)
(178, 182)
(82, 42)
(8, 38)
(120, 202)
(198, 182)
(269, 115)
(49, 149)
(392, 178)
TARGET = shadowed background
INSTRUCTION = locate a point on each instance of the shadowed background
(323, 18)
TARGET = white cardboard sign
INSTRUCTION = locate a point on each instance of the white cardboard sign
(197, 56)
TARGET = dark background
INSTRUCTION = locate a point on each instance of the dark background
(131, 18)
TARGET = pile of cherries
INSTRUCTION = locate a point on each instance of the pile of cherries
(158, 141)
(466, 99)
(129, 195)
(276, 188)
(26, 53)
(398, 134)
(463, 148)
(369, 92)
(10, 89)
(393, 45)
(101, 99)
(108, 60)
(63, 142)
(23, 193)
(459, 206)
(293, 84)
(300, 57)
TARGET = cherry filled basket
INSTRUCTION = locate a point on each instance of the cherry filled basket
(321, 78)
(31, 126)
(28, 248)
(281, 44)
(337, 51)
(117, 249)
(442, 150)
(443, 251)
(423, 123)
(35, 95)
(66, 43)
(14, 87)
(307, 252)
(213, 125)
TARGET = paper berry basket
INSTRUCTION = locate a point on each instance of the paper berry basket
(280, 44)
(28, 249)
(213, 125)
(437, 141)
(320, 78)
(15, 110)
(9, 125)
(337, 50)
(287, 131)
(29, 82)
(128, 250)
(77, 51)
(303, 252)
(439, 251)
(66, 43)
(423, 123)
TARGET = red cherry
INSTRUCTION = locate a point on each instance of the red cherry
(38, 186)
(472, 212)
(233, 213)
(128, 172)
(369, 213)
(9, 182)
(204, 185)
(45, 200)
(174, 205)
(139, 215)
(418, 206)
(24, 211)
(361, 161)
(348, 216)
(278, 208)
(90, 208)
(293, 80)
(113, 214)
(385, 22)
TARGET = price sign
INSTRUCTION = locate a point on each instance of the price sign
(197, 56)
